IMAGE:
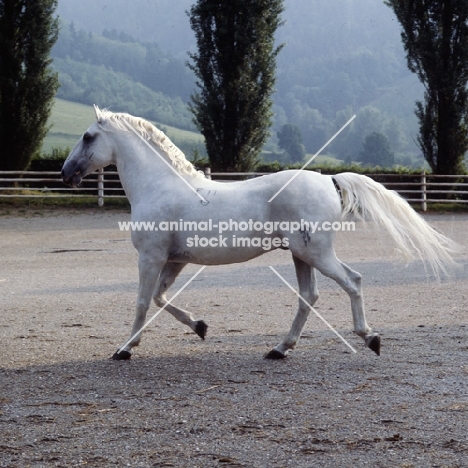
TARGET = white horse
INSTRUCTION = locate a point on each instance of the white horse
(162, 185)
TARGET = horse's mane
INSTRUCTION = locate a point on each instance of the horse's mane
(150, 133)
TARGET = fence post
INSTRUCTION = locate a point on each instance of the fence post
(208, 172)
(101, 186)
(424, 191)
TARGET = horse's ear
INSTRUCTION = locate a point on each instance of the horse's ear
(98, 114)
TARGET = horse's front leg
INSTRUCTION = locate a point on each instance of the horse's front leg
(149, 270)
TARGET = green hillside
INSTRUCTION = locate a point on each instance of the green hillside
(358, 69)
(69, 121)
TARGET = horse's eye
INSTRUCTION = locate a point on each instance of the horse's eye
(87, 137)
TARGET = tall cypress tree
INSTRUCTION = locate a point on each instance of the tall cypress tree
(28, 31)
(235, 66)
(435, 37)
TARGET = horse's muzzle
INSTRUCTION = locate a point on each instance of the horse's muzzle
(71, 177)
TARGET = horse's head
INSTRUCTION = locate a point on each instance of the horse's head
(93, 150)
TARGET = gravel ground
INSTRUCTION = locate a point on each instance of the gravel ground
(68, 282)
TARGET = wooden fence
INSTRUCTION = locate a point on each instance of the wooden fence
(418, 189)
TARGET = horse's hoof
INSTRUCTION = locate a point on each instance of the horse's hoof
(274, 354)
(374, 344)
(200, 329)
(122, 356)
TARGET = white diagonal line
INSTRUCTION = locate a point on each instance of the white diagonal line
(313, 310)
(163, 160)
(311, 159)
(162, 308)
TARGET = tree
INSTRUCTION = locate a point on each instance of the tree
(435, 37)
(235, 68)
(376, 151)
(27, 85)
(290, 140)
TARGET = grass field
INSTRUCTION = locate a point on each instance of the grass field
(69, 121)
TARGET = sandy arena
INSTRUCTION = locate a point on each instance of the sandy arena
(68, 284)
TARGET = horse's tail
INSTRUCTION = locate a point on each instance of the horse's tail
(368, 199)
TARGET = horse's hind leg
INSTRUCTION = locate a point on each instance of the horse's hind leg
(350, 281)
(166, 280)
(308, 290)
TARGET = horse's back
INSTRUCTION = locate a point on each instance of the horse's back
(308, 193)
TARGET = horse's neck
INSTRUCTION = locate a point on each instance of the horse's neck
(140, 168)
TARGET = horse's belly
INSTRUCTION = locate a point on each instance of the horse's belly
(228, 251)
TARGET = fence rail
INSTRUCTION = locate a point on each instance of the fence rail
(416, 188)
